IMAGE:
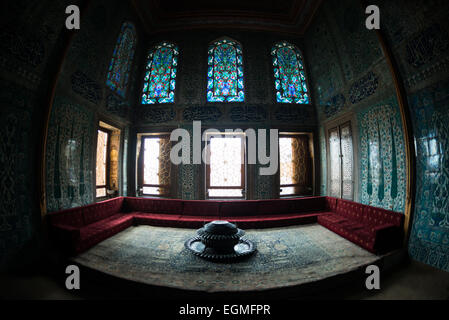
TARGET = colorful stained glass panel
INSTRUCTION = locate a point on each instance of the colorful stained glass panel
(120, 66)
(289, 75)
(160, 74)
(225, 72)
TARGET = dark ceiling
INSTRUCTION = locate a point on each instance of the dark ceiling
(257, 6)
(286, 16)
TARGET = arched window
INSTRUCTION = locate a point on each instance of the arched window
(225, 72)
(122, 58)
(160, 74)
(289, 74)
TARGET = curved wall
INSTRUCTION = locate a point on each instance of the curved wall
(350, 78)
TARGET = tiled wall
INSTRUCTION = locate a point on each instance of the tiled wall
(28, 38)
(418, 32)
(429, 240)
(382, 158)
(30, 42)
(69, 161)
(82, 99)
(349, 76)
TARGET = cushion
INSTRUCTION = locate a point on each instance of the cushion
(107, 223)
(310, 204)
(195, 222)
(239, 208)
(102, 210)
(283, 206)
(350, 209)
(141, 217)
(101, 230)
(201, 208)
(71, 217)
(331, 204)
(138, 205)
(152, 205)
(173, 206)
(378, 216)
(332, 218)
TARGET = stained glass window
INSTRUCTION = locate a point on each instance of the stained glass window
(225, 72)
(160, 74)
(120, 66)
(289, 74)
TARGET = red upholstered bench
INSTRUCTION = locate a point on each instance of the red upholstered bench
(273, 213)
(75, 230)
(374, 229)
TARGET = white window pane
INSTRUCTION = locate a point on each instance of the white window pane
(101, 192)
(285, 191)
(335, 163)
(151, 161)
(102, 149)
(226, 162)
(286, 160)
(235, 193)
(347, 161)
(151, 190)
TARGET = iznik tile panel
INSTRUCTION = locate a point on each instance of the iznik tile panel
(382, 157)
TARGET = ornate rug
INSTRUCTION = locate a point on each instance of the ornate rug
(285, 257)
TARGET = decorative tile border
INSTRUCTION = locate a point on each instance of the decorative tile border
(248, 114)
(86, 87)
(364, 88)
(201, 113)
(158, 114)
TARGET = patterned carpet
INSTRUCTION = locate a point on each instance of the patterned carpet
(285, 257)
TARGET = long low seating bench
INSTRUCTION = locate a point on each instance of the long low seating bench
(374, 229)
(76, 230)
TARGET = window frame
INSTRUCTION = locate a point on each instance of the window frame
(244, 168)
(152, 49)
(123, 94)
(107, 164)
(238, 46)
(338, 125)
(141, 171)
(306, 73)
(311, 172)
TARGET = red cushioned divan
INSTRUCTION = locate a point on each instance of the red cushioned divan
(374, 229)
(76, 230)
